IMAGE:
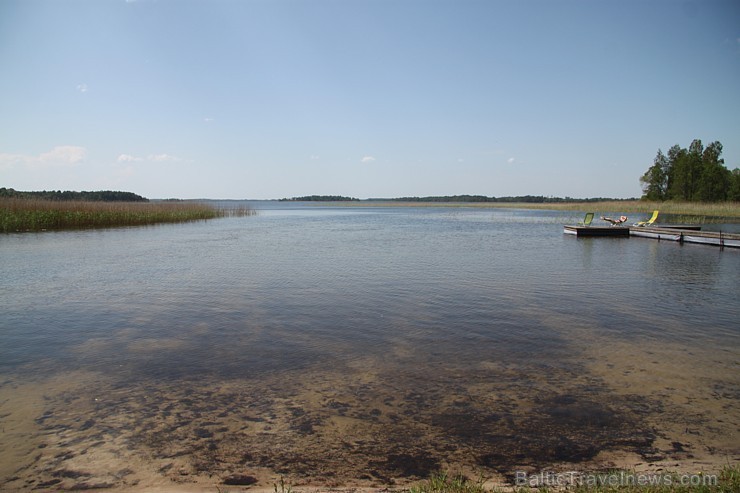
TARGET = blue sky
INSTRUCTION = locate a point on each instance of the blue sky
(367, 98)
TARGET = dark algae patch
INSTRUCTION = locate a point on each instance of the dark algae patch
(565, 429)
(240, 480)
(357, 426)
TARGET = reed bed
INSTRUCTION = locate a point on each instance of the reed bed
(715, 211)
(41, 215)
(679, 212)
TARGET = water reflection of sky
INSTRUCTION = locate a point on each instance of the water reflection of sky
(340, 275)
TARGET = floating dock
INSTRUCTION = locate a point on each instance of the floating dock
(680, 233)
(597, 230)
(716, 238)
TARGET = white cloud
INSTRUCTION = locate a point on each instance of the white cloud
(314, 157)
(511, 160)
(128, 158)
(155, 158)
(162, 158)
(57, 157)
(82, 87)
(367, 159)
(208, 119)
(64, 155)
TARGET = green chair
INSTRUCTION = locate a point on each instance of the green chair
(649, 221)
(587, 219)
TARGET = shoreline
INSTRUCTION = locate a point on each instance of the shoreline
(727, 210)
(613, 475)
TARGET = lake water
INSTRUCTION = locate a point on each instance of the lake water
(361, 345)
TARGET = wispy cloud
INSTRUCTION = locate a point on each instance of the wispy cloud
(57, 157)
(314, 157)
(64, 155)
(511, 160)
(82, 87)
(155, 158)
(163, 158)
(208, 119)
(367, 159)
(128, 158)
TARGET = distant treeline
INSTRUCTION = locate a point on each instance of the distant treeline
(532, 199)
(99, 196)
(321, 198)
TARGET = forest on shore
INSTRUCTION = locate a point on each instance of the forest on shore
(67, 195)
(520, 199)
(696, 174)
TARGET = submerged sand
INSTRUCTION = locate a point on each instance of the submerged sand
(641, 406)
(380, 421)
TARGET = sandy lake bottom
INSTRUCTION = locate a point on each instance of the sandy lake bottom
(368, 424)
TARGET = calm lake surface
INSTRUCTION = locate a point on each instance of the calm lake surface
(363, 345)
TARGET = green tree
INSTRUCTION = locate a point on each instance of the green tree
(693, 174)
(655, 180)
(734, 191)
(694, 169)
(679, 179)
(714, 181)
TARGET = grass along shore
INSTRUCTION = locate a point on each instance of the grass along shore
(17, 214)
(716, 209)
(683, 212)
(726, 210)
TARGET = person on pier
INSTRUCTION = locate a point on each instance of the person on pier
(615, 222)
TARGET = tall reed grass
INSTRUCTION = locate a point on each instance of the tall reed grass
(697, 209)
(680, 212)
(40, 215)
(718, 209)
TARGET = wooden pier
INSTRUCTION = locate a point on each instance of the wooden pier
(680, 233)
(716, 238)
